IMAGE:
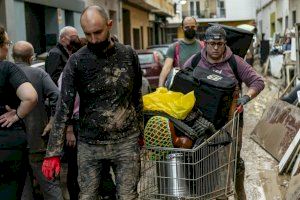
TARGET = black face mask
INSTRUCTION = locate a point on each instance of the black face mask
(74, 46)
(189, 33)
(99, 46)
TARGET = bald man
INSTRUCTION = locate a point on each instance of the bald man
(36, 122)
(58, 56)
(180, 51)
(108, 79)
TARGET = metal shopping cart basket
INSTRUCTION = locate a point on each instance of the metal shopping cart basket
(205, 172)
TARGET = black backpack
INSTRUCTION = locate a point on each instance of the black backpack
(213, 91)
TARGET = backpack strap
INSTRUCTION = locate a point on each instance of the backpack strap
(196, 60)
(176, 55)
(233, 64)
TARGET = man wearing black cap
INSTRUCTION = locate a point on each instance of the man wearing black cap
(218, 57)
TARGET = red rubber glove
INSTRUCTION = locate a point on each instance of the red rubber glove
(50, 166)
(240, 109)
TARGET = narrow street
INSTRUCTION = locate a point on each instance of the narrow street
(261, 179)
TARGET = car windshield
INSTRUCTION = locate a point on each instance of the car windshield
(146, 58)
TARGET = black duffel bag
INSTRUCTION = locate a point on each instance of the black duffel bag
(214, 95)
(213, 91)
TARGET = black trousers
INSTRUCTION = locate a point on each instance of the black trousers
(13, 163)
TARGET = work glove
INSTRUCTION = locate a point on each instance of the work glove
(241, 102)
(50, 166)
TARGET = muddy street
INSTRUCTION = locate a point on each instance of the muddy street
(261, 179)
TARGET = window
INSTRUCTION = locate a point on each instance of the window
(222, 9)
(222, 4)
(286, 22)
(198, 9)
(192, 11)
(294, 17)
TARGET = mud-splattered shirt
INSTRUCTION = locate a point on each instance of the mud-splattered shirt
(109, 87)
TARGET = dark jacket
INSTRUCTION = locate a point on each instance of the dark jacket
(37, 119)
(109, 87)
(56, 61)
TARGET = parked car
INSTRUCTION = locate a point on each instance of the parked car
(151, 63)
(163, 48)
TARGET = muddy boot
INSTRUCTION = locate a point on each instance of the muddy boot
(239, 182)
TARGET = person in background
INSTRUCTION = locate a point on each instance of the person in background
(17, 99)
(180, 51)
(59, 55)
(37, 123)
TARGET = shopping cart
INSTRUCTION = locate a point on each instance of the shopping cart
(205, 172)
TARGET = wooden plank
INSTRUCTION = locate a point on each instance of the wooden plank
(270, 184)
(296, 168)
(266, 67)
(293, 191)
(286, 159)
(277, 128)
(293, 160)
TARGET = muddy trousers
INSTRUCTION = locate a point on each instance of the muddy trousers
(125, 161)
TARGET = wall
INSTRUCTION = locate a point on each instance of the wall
(240, 10)
(282, 10)
(77, 24)
(294, 5)
(51, 21)
(138, 18)
(263, 18)
(20, 28)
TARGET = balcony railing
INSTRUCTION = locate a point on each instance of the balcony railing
(204, 14)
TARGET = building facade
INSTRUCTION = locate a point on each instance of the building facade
(39, 21)
(228, 12)
(144, 22)
(138, 23)
(276, 16)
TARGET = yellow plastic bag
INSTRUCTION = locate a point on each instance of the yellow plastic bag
(175, 104)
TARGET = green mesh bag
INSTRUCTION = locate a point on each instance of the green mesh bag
(157, 134)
